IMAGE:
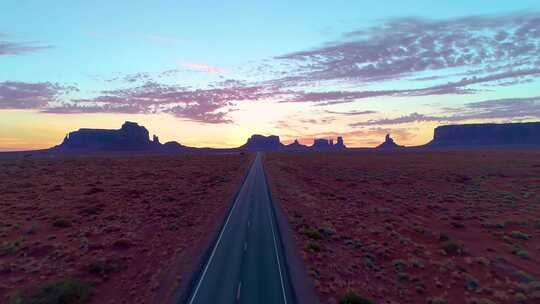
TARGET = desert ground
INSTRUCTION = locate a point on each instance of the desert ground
(108, 229)
(418, 227)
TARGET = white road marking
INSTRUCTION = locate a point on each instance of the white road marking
(277, 255)
(238, 292)
(245, 246)
(217, 243)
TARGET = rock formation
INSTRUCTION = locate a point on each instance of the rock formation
(130, 137)
(473, 135)
(388, 144)
(133, 137)
(269, 143)
(295, 146)
(339, 144)
(262, 143)
(172, 146)
(327, 144)
(321, 143)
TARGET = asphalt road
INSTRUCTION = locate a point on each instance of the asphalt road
(246, 264)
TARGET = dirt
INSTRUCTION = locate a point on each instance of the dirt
(122, 225)
(419, 227)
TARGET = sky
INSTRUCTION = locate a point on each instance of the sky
(211, 73)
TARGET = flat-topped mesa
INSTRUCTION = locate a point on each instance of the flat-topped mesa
(474, 135)
(388, 144)
(130, 136)
(321, 143)
(261, 143)
(326, 144)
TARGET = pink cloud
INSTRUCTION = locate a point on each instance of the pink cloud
(509, 108)
(202, 67)
(409, 45)
(202, 105)
(23, 95)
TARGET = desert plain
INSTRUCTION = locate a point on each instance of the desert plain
(415, 227)
(108, 229)
(387, 227)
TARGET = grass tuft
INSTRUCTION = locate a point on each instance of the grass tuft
(314, 247)
(520, 235)
(451, 247)
(62, 223)
(312, 233)
(102, 267)
(351, 297)
(10, 247)
(63, 291)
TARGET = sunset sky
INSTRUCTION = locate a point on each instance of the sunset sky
(211, 73)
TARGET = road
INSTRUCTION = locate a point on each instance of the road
(246, 264)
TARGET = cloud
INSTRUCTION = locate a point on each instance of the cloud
(500, 108)
(351, 113)
(517, 73)
(22, 95)
(201, 113)
(284, 124)
(413, 117)
(322, 121)
(86, 108)
(17, 48)
(202, 67)
(450, 88)
(168, 73)
(404, 46)
(201, 105)
(132, 78)
(453, 56)
(338, 97)
(510, 108)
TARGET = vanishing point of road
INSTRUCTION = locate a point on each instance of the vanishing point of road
(246, 264)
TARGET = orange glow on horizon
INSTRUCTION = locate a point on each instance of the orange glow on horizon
(31, 130)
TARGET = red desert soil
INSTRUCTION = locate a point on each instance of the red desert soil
(120, 225)
(437, 227)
